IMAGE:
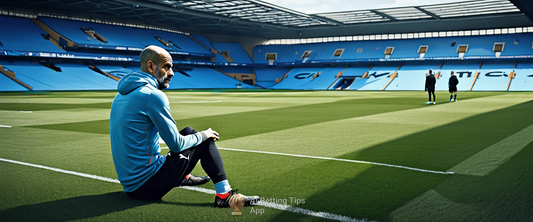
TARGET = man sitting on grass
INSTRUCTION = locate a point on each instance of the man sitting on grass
(140, 116)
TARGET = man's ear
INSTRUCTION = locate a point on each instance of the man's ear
(150, 66)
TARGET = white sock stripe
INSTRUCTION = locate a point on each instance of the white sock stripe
(337, 159)
(198, 189)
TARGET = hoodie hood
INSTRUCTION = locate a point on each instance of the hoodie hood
(135, 80)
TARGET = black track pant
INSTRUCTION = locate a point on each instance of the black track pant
(431, 91)
(179, 165)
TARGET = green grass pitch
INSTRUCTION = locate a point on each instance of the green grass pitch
(485, 139)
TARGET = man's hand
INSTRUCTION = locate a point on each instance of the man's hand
(211, 134)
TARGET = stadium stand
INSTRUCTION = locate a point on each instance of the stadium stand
(444, 48)
(9, 82)
(310, 78)
(20, 35)
(71, 77)
(465, 71)
(114, 37)
(494, 76)
(489, 62)
(204, 78)
(84, 73)
(233, 69)
(412, 76)
(377, 77)
(299, 78)
(113, 70)
(352, 78)
(202, 40)
(231, 52)
(266, 77)
(524, 77)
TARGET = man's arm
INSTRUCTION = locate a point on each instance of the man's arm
(158, 109)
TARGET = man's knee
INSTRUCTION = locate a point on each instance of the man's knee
(187, 130)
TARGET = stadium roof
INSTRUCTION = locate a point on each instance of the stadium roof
(261, 19)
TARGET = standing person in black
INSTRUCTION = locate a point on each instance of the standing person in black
(452, 85)
(430, 86)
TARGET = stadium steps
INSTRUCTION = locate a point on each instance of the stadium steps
(199, 43)
(11, 75)
(284, 77)
(56, 38)
(337, 77)
(223, 54)
(226, 55)
(96, 69)
(392, 77)
(512, 75)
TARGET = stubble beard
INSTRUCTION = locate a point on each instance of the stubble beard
(161, 80)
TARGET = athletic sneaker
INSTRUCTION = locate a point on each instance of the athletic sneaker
(224, 202)
(451, 100)
(455, 100)
(429, 102)
(434, 103)
(192, 180)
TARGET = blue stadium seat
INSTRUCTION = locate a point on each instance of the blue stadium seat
(119, 37)
(236, 52)
(22, 35)
(73, 77)
(204, 78)
(7, 84)
(266, 77)
(202, 39)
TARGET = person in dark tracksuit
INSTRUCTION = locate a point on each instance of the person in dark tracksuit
(452, 85)
(430, 86)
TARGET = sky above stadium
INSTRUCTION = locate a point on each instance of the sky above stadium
(319, 6)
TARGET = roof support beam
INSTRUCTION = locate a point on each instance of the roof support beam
(384, 15)
(428, 13)
(192, 12)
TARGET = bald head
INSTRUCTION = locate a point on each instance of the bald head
(153, 53)
(157, 62)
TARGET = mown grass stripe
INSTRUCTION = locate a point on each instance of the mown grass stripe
(337, 159)
(492, 157)
(198, 189)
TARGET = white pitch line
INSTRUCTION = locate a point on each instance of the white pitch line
(289, 208)
(202, 190)
(200, 101)
(62, 171)
(4, 126)
(337, 159)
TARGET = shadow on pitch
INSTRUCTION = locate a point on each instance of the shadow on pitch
(83, 207)
(505, 194)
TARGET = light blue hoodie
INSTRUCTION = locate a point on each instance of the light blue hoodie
(140, 115)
